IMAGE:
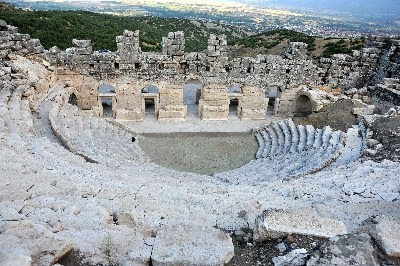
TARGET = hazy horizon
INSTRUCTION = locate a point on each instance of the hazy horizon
(348, 6)
(357, 7)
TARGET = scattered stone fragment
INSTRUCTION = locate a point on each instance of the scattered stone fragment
(33, 241)
(126, 218)
(273, 223)
(386, 230)
(281, 247)
(346, 250)
(296, 257)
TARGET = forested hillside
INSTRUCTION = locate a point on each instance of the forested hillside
(58, 28)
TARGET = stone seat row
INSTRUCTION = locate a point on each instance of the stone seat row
(15, 113)
(296, 152)
(285, 137)
(93, 137)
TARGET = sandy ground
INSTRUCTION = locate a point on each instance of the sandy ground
(202, 153)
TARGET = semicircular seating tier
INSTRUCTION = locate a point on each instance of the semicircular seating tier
(15, 113)
(288, 150)
(94, 138)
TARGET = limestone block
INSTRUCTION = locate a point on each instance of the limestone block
(191, 245)
(217, 103)
(21, 37)
(172, 112)
(274, 223)
(346, 250)
(127, 246)
(45, 247)
(16, 46)
(209, 97)
(81, 43)
(123, 114)
(36, 50)
(171, 98)
(191, 56)
(252, 114)
(388, 235)
(247, 103)
(253, 98)
(3, 23)
(212, 52)
(212, 37)
(214, 112)
(252, 105)
(85, 50)
(368, 110)
(211, 94)
(120, 39)
(32, 43)
(12, 29)
(15, 256)
(126, 218)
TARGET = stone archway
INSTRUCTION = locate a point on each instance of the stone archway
(73, 99)
(71, 96)
(304, 106)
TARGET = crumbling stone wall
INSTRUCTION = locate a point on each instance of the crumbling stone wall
(368, 66)
(287, 72)
(389, 91)
(174, 44)
(128, 51)
(12, 40)
(87, 87)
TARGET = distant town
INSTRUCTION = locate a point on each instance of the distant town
(246, 17)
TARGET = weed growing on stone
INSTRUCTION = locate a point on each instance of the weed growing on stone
(108, 250)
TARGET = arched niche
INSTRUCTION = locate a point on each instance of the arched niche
(151, 88)
(234, 89)
(106, 88)
(304, 105)
(73, 99)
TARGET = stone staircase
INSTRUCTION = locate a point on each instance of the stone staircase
(286, 150)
